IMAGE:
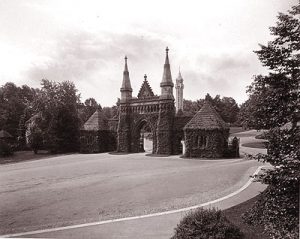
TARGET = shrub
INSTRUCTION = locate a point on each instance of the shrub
(206, 224)
(5, 149)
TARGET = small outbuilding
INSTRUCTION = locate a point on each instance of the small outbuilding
(206, 134)
(96, 136)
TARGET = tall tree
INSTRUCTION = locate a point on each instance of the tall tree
(57, 104)
(13, 101)
(277, 94)
(225, 106)
(86, 109)
(276, 101)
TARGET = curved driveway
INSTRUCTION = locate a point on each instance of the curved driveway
(80, 188)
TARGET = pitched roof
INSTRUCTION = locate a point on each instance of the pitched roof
(206, 118)
(145, 90)
(97, 121)
(5, 134)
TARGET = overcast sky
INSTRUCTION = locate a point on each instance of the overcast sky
(212, 42)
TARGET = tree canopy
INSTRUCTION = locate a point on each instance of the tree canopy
(274, 101)
(225, 106)
(274, 98)
(13, 102)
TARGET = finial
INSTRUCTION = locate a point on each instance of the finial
(145, 77)
(126, 67)
(167, 50)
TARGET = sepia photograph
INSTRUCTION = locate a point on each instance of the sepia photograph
(159, 119)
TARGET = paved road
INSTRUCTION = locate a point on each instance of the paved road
(76, 189)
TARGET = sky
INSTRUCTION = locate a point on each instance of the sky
(211, 41)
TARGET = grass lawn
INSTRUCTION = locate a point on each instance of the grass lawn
(234, 130)
(234, 214)
(259, 145)
(21, 156)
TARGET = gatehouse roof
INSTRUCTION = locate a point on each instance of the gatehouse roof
(96, 122)
(206, 118)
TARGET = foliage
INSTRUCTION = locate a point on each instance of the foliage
(225, 106)
(206, 223)
(34, 133)
(110, 112)
(277, 102)
(5, 149)
(57, 104)
(278, 208)
(86, 109)
(274, 98)
(13, 101)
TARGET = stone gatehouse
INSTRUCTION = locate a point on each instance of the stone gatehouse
(154, 114)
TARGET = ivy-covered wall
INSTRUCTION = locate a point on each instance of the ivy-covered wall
(97, 141)
(202, 143)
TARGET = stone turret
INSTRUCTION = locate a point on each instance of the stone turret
(179, 92)
(166, 112)
(126, 90)
(167, 83)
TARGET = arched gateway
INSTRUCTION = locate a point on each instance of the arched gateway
(153, 117)
(157, 112)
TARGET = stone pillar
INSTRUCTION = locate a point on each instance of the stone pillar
(165, 127)
(124, 130)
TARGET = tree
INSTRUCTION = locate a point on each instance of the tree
(225, 106)
(110, 112)
(57, 104)
(192, 107)
(13, 101)
(34, 133)
(277, 94)
(86, 110)
(276, 101)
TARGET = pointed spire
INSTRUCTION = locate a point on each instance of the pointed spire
(167, 56)
(126, 67)
(167, 76)
(179, 77)
(167, 83)
(126, 90)
(126, 85)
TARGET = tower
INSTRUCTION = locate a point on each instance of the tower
(126, 90)
(179, 92)
(123, 131)
(166, 111)
(166, 84)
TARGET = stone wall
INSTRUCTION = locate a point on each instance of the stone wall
(206, 143)
(97, 141)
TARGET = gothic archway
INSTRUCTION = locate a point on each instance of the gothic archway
(143, 137)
